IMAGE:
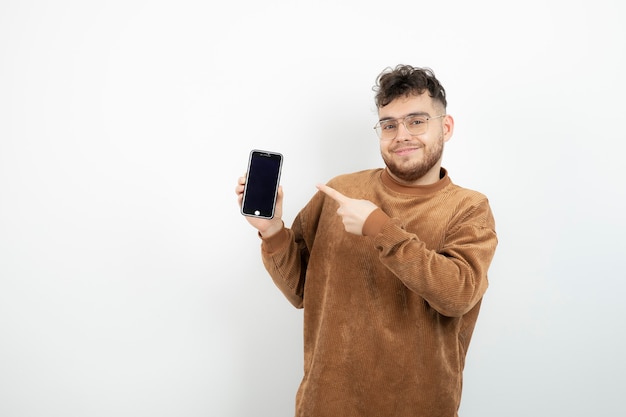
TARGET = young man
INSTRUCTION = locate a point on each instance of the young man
(390, 266)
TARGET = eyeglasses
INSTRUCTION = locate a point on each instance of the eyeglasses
(415, 125)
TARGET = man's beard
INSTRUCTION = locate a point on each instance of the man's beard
(419, 169)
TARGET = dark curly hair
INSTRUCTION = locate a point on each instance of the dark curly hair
(405, 80)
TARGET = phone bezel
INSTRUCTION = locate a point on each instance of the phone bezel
(256, 153)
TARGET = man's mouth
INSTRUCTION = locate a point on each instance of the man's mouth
(406, 150)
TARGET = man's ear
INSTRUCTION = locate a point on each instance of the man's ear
(448, 127)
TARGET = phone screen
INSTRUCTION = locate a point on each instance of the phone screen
(263, 176)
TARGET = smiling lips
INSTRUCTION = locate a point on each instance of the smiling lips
(406, 150)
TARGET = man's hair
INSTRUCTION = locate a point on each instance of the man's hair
(405, 80)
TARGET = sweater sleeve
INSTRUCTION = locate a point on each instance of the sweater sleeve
(285, 261)
(453, 279)
(286, 254)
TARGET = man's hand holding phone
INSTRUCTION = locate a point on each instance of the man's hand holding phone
(266, 227)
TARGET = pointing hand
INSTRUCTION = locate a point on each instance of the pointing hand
(352, 211)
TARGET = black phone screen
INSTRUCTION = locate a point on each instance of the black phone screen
(259, 198)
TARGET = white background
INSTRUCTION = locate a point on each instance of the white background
(130, 285)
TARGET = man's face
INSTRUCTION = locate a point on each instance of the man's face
(415, 159)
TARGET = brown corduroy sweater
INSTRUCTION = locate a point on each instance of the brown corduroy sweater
(388, 316)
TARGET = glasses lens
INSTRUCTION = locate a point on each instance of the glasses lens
(387, 129)
(416, 125)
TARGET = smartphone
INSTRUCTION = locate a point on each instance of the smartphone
(262, 179)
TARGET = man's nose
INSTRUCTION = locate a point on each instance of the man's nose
(403, 132)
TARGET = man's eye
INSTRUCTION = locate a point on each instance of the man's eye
(388, 126)
(416, 122)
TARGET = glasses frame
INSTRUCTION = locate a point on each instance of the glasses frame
(379, 132)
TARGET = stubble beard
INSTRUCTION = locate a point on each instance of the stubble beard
(420, 168)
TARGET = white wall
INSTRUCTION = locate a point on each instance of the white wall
(131, 286)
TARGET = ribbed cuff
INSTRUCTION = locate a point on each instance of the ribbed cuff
(274, 242)
(374, 223)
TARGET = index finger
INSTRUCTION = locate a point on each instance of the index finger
(332, 193)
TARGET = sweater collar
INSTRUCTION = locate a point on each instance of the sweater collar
(389, 182)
